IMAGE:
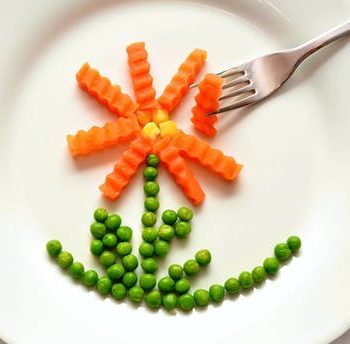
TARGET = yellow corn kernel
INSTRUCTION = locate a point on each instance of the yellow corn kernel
(168, 128)
(151, 130)
(160, 116)
(143, 117)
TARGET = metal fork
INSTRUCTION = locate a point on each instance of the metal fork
(257, 79)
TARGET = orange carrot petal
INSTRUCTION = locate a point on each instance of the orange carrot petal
(181, 81)
(207, 100)
(141, 77)
(90, 80)
(125, 169)
(209, 157)
(177, 166)
(96, 138)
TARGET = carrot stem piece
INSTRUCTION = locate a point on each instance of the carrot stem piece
(181, 81)
(90, 80)
(207, 100)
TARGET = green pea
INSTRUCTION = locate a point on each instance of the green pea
(151, 189)
(147, 281)
(217, 292)
(149, 219)
(161, 248)
(259, 274)
(64, 259)
(152, 160)
(107, 259)
(294, 243)
(130, 262)
(101, 215)
(116, 271)
(124, 233)
(119, 291)
(175, 271)
(169, 301)
(76, 270)
(166, 284)
(90, 278)
(203, 257)
(109, 240)
(166, 232)
(136, 294)
(113, 222)
(96, 247)
(149, 265)
(182, 286)
(149, 234)
(271, 265)
(201, 297)
(146, 249)
(151, 204)
(169, 217)
(186, 302)
(191, 267)
(182, 229)
(153, 299)
(282, 251)
(232, 286)
(150, 173)
(98, 230)
(185, 214)
(124, 248)
(104, 285)
(129, 279)
(246, 280)
(54, 248)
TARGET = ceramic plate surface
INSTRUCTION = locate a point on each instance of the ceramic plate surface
(294, 147)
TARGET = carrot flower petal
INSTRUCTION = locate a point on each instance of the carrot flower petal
(178, 167)
(126, 168)
(90, 80)
(185, 76)
(203, 153)
(141, 77)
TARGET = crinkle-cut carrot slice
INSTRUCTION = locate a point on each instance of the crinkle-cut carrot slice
(203, 153)
(207, 100)
(177, 166)
(125, 169)
(141, 77)
(204, 124)
(90, 80)
(181, 81)
(96, 138)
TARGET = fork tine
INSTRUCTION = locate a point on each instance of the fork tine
(235, 82)
(230, 72)
(228, 93)
(224, 74)
(249, 99)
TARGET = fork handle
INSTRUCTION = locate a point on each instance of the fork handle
(305, 50)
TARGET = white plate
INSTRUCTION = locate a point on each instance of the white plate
(295, 181)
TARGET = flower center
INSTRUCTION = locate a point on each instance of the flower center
(156, 123)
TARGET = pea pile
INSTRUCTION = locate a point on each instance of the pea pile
(111, 245)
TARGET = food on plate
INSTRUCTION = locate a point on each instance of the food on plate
(207, 100)
(114, 251)
(146, 123)
(155, 139)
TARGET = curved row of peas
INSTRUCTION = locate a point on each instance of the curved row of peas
(112, 239)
